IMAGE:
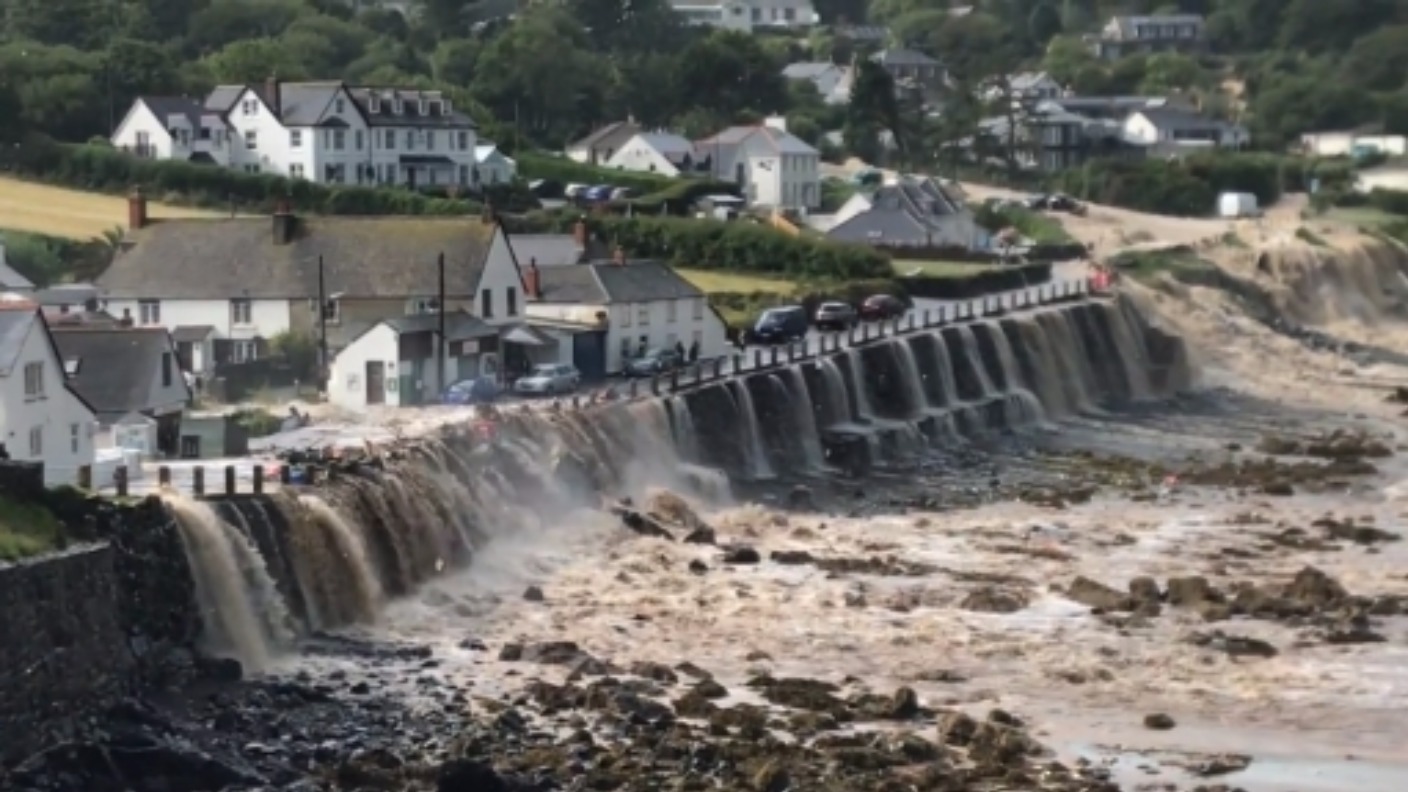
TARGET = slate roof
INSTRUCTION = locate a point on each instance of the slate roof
(363, 257)
(1128, 25)
(607, 282)
(459, 326)
(116, 367)
(15, 325)
(610, 136)
(306, 104)
(728, 140)
(910, 212)
(65, 294)
(1173, 119)
(163, 107)
(808, 70)
(547, 250)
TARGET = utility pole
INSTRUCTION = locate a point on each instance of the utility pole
(322, 329)
(440, 351)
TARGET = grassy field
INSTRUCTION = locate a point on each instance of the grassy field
(712, 282)
(71, 214)
(939, 269)
(26, 530)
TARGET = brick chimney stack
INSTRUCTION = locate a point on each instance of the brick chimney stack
(136, 209)
(533, 280)
(272, 91)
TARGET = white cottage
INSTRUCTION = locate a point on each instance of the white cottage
(42, 418)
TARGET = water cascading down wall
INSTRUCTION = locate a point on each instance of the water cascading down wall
(271, 569)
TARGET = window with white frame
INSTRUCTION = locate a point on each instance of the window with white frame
(463, 140)
(332, 311)
(241, 312)
(423, 305)
(390, 139)
(34, 380)
(625, 348)
(295, 171)
(251, 139)
(339, 139)
(36, 441)
(341, 105)
(626, 317)
(244, 351)
(73, 436)
(149, 312)
(698, 308)
(249, 106)
(295, 138)
(671, 312)
(429, 140)
(357, 139)
(643, 314)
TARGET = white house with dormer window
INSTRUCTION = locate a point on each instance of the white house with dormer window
(325, 132)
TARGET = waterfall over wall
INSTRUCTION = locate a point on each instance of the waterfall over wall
(307, 559)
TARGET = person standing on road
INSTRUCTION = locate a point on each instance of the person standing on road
(679, 350)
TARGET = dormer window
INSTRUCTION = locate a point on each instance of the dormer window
(435, 108)
(424, 107)
(374, 104)
(445, 107)
(397, 106)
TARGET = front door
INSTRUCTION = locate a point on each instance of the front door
(376, 382)
(411, 178)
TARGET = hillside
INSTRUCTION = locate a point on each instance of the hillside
(70, 214)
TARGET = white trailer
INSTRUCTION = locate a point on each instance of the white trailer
(1232, 205)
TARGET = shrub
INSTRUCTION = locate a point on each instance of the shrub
(535, 165)
(737, 246)
(1393, 202)
(104, 169)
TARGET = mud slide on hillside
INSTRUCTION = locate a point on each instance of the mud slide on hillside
(1291, 312)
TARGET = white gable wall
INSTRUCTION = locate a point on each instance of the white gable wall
(140, 119)
(65, 425)
(639, 155)
(499, 280)
(347, 384)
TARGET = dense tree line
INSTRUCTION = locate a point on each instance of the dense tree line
(542, 73)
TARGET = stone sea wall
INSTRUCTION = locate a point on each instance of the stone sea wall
(109, 614)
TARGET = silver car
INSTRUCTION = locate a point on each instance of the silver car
(547, 379)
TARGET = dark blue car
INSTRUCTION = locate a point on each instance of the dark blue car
(479, 390)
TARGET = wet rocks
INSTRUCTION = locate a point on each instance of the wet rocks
(799, 498)
(1159, 721)
(1348, 531)
(799, 693)
(741, 554)
(642, 524)
(994, 599)
(534, 594)
(703, 535)
(1234, 646)
(1098, 595)
(667, 507)
(957, 728)
(791, 557)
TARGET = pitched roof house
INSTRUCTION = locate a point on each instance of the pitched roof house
(659, 151)
(11, 281)
(253, 278)
(123, 370)
(909, 213)
(42, 417)
(640, 304)
(772, 166)
(832, 81)
(602, 144)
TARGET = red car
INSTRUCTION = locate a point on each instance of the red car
(881, 307)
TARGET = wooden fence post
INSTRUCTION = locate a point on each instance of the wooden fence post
(230, 481)
(258, 480)
(163, 476)
(120, 478)
(198, 480)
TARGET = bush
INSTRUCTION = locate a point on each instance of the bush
(1190, 186)
(104, 169)
(1393, 202)
(536, 165)
(736, 246)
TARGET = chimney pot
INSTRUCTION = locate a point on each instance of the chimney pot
(136, 209)
(534, 280)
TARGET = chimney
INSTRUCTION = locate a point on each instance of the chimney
(136, 210)
(579, 232)
(533, 280)
(284, 222)
(620, 256)
(271, 95)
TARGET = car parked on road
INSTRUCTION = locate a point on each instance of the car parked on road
(475, 390)
(835, 316)
(780, 325)
(655, 361)
(879, 307)
(547, 379)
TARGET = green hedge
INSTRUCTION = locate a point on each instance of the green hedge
(104, 169)
(536, 165)
(1394, 202)
(1190, 186)
(736, 246)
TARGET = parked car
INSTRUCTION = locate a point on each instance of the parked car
(835, 316)
(547, 379)
(475, 390)
(881, 307)
(655, 361)
(780, 325)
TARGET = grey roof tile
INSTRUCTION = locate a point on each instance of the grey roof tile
(116, 367)
(363, 257)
